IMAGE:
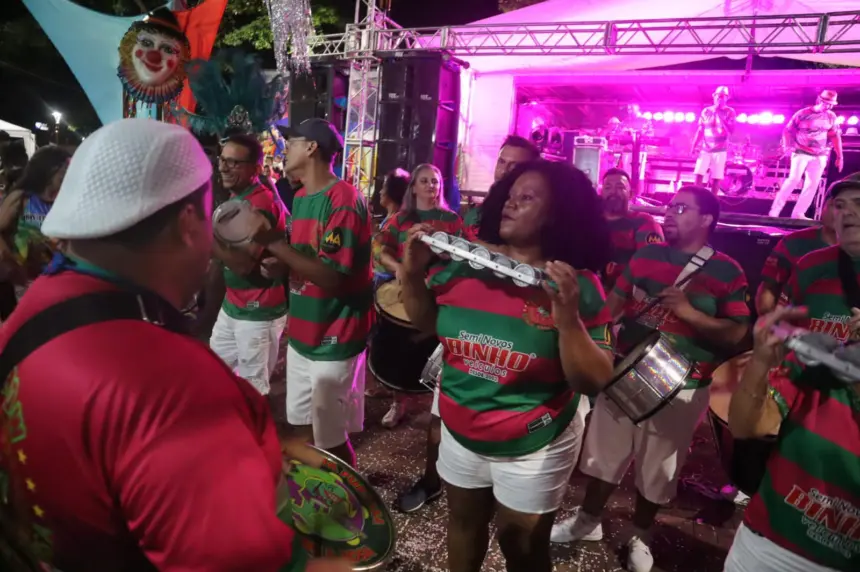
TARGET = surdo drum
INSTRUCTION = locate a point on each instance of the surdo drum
(648, 378)
(399, 351)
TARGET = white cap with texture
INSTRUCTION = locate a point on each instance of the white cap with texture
(123, 173)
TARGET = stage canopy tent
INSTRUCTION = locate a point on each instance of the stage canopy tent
(20, 133)
(570, 11)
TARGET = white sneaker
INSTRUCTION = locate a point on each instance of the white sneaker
(580, 526)
(395, 415)
(639, 557)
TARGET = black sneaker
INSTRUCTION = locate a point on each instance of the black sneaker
(419, 495)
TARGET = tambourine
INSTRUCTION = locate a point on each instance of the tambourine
(337, 513)
(233, 222)
(816, 348)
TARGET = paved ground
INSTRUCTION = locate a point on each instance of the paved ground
(693, 535)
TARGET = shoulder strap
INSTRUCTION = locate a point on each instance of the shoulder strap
(66, 316)
(693, 266)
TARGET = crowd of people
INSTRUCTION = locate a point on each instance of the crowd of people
(127, 444)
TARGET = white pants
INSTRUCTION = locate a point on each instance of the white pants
(753, 553)
(801, 163)
(249, 348)
(328, 395)
(713, 161)
(658, 445)
(530, 484)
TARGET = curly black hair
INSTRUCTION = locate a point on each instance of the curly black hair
(576, 232)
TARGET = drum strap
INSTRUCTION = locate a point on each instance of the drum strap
(696, 263)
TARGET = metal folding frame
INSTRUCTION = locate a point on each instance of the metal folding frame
(374, 34)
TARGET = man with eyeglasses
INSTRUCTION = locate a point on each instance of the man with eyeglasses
(248, 329)
(331, 278)
(704, 319)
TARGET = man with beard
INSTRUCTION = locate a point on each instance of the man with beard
(716, 124)
(126, 444)
(629, 231)
(515, 151)
(804, 516)
(247, 332)
(704, 319)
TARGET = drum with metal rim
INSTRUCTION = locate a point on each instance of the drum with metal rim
(432, 373)
(743, 460)
(738, 179)
(232, 222)
(398, 351)
(337, 513)
(648, 378)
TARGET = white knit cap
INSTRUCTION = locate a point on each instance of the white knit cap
(123, 173)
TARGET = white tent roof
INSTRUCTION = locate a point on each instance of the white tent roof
(20, 133)
(568, 11)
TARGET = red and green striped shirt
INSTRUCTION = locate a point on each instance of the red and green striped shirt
(334, 225)
(253, 297)
(815, 284)
(472, 222)
(719, 289)
(809, 499)
(628, 234)
(786, 254)
(393, 234)
(503, 391)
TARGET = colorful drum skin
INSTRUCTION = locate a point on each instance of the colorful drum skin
(337, 513)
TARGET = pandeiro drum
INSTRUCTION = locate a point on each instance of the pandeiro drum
(648, 378)
(232, 222)
(398, 351)
(336, 512)
(743, 460)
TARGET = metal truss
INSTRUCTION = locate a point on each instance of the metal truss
(359, 155)
(764, 35)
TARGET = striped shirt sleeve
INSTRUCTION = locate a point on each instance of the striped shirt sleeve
(648, 233)
(593, 309)
(781, 384)
(777, 267)
(733, 303)
(342, 238)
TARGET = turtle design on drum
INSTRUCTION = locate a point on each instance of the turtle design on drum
(324, 507)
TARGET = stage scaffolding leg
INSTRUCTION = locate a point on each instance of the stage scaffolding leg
(359, 155)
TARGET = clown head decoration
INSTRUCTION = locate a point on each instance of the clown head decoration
(152, 58)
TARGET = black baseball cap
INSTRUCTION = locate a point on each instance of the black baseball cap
(851, 182)
(317, 130)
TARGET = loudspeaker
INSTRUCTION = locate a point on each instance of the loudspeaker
(750, 247)
(322, 93)
(419, 104)
(589, 160)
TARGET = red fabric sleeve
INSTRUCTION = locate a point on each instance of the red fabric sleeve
(193, 475)
(625, 282)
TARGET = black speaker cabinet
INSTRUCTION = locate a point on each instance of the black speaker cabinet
(419, 105)
(322, 94)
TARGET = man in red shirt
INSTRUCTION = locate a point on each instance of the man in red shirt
(124, 443)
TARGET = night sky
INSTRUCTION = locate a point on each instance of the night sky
(28, 93)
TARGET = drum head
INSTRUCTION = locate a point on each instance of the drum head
(338, 513)
(231, 223)
(389, 303)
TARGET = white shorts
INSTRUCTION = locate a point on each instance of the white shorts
(715, 161)
(751, 552)
(659, 445)
(329, 395)
(530, 484)
(249, 348)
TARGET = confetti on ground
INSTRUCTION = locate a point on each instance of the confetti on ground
(693, 535)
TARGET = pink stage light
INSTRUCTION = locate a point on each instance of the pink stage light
(853, 120)
(658, 116)
(668, 116)
(679, 116)
(690, 117)
(766, 118)
(742, 118)
(840, 120)
(647, 115)
(754, 119)
(779, 118)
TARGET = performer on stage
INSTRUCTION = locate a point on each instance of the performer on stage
(247, 332)
(629, 231)
(126, 444)
(331, 291)
(708, 315)
(515, 151)
(716, 125)
(804, 517)
(783, 260)
(809, 135)
(424, 203)
(515, 361)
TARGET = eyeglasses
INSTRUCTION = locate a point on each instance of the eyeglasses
(679, 208)
(231, 163)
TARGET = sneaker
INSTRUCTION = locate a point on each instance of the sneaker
(580, 526)
(639, 557)
(395, 415)
(419, 495)
(735, 495)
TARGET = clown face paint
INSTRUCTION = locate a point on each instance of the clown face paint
(155, 57)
